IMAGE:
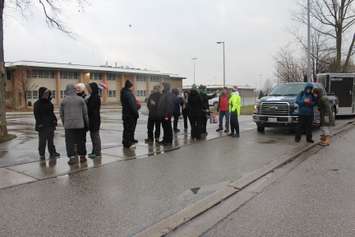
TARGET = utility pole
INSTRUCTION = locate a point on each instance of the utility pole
(194, 59)
(224, 62)
(309, 66)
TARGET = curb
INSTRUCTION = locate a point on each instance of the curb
(180, 218)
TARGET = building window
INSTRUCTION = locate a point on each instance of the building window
(111, 76)
(53, 94)
(35, 95)
(155, 78)
(111, 93)
(43, 74)
(141, 93)
(141, 78)
(70, 75)
(94, 76)
(29, 95)
(62, 94)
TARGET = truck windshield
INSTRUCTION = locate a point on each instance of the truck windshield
(287, 89)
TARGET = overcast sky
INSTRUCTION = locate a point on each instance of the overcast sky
(164, 35)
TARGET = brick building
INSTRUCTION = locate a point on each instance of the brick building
(24, 78)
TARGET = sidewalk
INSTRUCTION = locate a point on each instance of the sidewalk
(315, 199)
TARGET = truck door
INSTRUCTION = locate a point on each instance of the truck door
(343, 89)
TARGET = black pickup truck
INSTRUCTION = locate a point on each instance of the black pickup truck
(279, 108)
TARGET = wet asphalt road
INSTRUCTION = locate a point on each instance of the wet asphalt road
(123, 198)
(315, 199)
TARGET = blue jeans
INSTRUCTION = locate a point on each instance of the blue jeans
(221, 115)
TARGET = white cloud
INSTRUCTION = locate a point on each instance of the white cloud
(164, 35)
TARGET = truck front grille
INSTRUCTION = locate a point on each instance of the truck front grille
(275, 109)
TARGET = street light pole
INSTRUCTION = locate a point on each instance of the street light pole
(224, 62)
(194, 59)
(309, 67)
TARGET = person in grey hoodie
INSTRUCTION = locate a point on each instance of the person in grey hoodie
(74, 116)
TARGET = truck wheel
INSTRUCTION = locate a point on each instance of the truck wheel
(261, 128)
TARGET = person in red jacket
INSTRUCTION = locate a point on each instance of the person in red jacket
(223, 109)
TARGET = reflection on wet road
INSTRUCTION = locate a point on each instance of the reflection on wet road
(24, 149)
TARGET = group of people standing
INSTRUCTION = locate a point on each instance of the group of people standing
(307, 101)
(166, 105)
(229, 106)
(79, 113)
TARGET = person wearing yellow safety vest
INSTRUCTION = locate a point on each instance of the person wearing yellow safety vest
(234, 110)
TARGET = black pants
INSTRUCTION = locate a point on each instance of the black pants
(196, 127)
(176, 121)
(96, 142)
(46, 136)
(305, 126)
(168, 130)
(153, 123)
(75, 141)
(129, 127)
(185, 116)
(234, 123)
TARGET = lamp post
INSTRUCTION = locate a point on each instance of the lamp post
(194, 59)
(224, 62)
(309, 67)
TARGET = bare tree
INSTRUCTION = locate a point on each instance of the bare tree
(288, 69)
(267, 87)
(51, 12)
(333, 19)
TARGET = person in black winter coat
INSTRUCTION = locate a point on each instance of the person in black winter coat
(154, 119)
(166, 109)
(46, 123)
(94, 106)
(185, 112)
(129, 114)
(195, 113)
(178, 102)
(206, 107)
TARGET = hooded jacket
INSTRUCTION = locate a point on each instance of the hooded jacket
(94, 105)
(129, 103)
(205, 98)
(306, 101)
(194, 104)
(73, 110)
(43, 111)
(235, 103)
(153, 104)
(166, 103)
(325, 109)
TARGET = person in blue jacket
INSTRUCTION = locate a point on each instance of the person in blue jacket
(306, 103)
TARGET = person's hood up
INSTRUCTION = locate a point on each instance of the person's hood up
(193, 92)
(166, 87)
(41, 91)
(94, 88)
(128, 84)
(70, 90)
(308, 86)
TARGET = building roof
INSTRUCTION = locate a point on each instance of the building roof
(221, 86)
(72, 66)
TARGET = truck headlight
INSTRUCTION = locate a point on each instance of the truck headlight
(257, 107)
(296, 109)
